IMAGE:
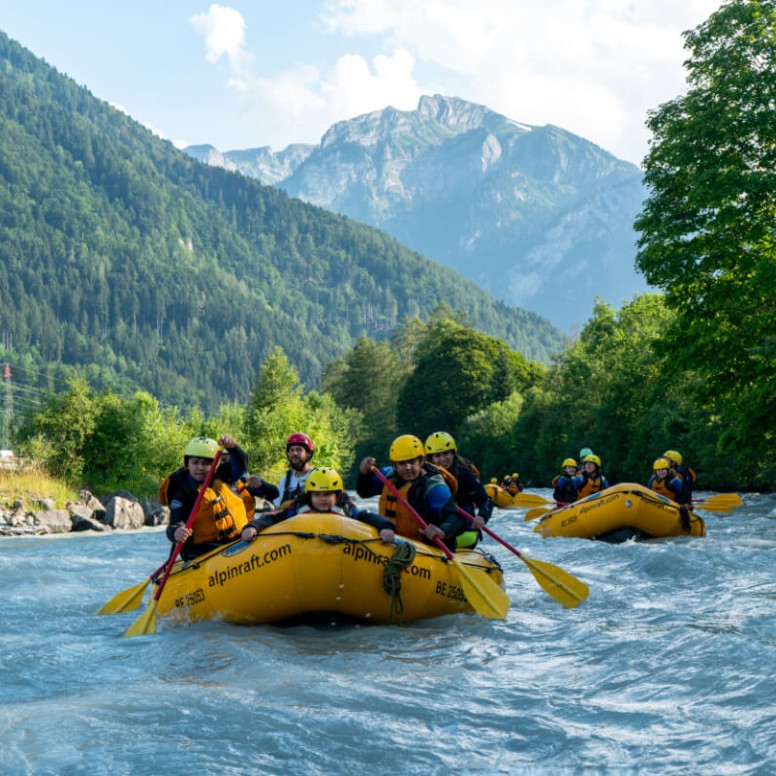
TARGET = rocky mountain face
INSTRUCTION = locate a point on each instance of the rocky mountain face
(537, 216)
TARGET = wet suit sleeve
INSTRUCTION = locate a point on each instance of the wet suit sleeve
(369, 485)
(372, 518)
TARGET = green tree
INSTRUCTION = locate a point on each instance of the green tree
(65, 426)
(707, 228)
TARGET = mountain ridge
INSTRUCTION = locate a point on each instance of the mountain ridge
(124, 259)
(532, 214)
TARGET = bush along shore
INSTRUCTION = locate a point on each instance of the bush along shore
(114, 511)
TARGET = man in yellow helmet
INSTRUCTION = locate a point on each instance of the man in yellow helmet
(422, 485)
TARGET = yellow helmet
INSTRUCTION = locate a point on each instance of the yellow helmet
(323, 480)
(493, 481)
(672, 455)
(440, 442)
(201, 447)
(569, 462)
(406, 448)
(661, 463)
(594, 459)
(515, 476)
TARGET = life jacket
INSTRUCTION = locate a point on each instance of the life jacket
(222, 513)
(405, 523)
(590, 485)
(661, 486)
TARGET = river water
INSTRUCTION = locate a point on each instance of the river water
(669, 667)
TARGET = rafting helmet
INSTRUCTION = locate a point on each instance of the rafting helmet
(493, 481)
(661, 463)
(323, 480)
(303, 441)
(440, 442)
(515, 476)
(672, 455)
(584, 452)
(569, 462)
(406, 448)
(592, 459)
(200, 447)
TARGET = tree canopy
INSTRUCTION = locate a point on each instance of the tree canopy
(709, 223)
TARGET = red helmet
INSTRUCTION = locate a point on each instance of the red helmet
(302, 440)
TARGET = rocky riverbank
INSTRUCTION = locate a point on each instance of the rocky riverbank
(115, 511)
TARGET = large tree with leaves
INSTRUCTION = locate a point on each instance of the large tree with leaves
(708, 226)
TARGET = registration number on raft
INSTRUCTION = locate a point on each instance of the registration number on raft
(195, 597)
(450, 591)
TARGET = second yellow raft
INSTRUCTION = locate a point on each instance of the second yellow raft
(622, 512)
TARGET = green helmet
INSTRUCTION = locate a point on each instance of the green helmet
(201, 447)
(440, 442)
(323, 480)
(406, 448)
(584, 452)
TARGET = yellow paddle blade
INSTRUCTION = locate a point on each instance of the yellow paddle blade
(485, 596)
(144, 624)
(529, 500)
(721, 502)
(562, 586)
(532, 514)
(126, 600)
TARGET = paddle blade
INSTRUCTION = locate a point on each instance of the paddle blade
(482, 592)
(529, 500)
(532, 514)
(145, 624)
(126, 600)
(722, 502)
(562, 586)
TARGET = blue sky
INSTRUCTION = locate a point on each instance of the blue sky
(251, 73)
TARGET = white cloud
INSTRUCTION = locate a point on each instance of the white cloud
(224, 32)
(593, 67)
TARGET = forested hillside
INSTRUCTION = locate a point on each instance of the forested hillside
(122, 257)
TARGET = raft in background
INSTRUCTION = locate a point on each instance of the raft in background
(622, 512)
(315, 564)
(502, 498)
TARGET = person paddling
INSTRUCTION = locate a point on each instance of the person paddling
(222, 512)
(470, 494)
(422, 485)
(687, 475)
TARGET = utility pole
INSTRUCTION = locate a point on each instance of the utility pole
(6, 416)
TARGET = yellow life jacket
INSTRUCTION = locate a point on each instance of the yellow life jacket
(661, 487)
(222, 513)
(591, 485)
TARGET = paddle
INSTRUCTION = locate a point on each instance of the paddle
(485, 596)
(146, 623)
(532, 514)
(131, 598)
(529, 500)
(722, 502)
(562, 586)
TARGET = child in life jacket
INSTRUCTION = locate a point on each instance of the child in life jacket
(222, 513)
(323, 492)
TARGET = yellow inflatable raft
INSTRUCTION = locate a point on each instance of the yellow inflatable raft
(320, 563)
(622, 512)
(500, 497)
